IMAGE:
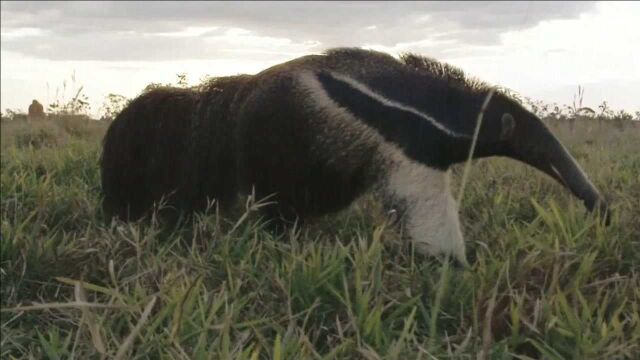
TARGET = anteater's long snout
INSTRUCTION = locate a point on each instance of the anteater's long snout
(534, 144)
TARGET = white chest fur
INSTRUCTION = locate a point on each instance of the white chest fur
(431, 213)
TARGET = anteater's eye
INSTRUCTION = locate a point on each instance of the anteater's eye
(508, 124)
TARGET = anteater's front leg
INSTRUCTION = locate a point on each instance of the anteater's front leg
(429, 212)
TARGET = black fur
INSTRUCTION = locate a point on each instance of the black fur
(425, 142)
(142, 149)
(281, 154)
(210, 166)
(170, 144)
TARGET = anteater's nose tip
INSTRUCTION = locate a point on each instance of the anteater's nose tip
(601, 210)
(605, 214)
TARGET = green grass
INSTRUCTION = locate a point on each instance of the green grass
(546, 280)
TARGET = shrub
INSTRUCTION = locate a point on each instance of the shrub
(40, 135)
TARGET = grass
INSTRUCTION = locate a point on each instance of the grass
(546, 280)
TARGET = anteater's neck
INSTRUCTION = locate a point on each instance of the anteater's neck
(431, 120)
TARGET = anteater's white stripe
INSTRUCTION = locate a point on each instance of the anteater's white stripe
(402, 107)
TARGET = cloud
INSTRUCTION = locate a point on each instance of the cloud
(542, 49)
(142, 31)
(190, 31)
(22, 32)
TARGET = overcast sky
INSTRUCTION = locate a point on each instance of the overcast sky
(543, 50)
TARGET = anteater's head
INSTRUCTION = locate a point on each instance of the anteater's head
(508, 129)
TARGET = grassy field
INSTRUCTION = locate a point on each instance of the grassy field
(546, 281)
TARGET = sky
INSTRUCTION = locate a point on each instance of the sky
(542, 50)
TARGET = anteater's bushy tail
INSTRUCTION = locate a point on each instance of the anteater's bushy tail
(142, 152)
(171, 144)
(211, 154)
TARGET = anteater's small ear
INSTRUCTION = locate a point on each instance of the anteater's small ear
(508, 124)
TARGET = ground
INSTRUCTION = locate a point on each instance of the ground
(546, 279)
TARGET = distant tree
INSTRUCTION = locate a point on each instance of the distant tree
(113, 104)
(14, 114)
(605, 110)
(621, 119)
(152, 86)
(182, 80)
(77, 105)
(577, 111)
